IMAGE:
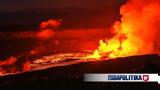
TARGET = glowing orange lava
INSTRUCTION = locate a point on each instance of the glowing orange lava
(136, 32)
(121, 45)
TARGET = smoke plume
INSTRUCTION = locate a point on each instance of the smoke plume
(141, 22)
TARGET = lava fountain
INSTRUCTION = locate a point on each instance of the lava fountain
(135, 34)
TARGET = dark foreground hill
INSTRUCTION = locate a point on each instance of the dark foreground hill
(71, 77)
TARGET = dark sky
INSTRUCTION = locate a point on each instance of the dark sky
(73, 12)
(24, 15)
(20, 5)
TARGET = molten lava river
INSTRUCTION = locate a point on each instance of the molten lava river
(135, 34)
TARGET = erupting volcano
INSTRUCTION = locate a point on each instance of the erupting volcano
(136, 33)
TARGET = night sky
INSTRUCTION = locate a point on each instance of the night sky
(20, 5)
(75, 13)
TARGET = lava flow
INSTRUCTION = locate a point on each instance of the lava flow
(135, 34)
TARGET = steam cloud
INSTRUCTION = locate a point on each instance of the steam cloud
(140, 22)
(141, 18)
(46, 31)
